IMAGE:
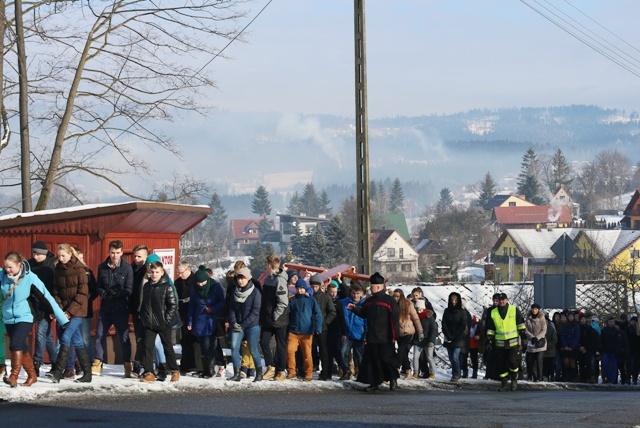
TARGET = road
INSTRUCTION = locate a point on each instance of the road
(336, 408)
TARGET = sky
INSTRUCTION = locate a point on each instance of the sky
(429, 57)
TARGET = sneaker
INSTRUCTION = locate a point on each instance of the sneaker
(279, 377)
(269, 374)
(69, 374)
(292, 376)
(243, 375)
(148, 377)
(221, 371)
(96, 368)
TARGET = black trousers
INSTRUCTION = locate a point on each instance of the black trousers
(320, 353)
(167, 346)
(404, 344)
(535, 362)
(280, 360)
(506, 361)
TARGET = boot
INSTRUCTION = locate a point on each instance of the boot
(503, 384)
(175, 375)
(475, 374)
(258, 377)
(409, 375)
(61, 361)
(206, 368)
(161, 375)
(514, 381)
(85, 365)
(36, 366)
(128, 368)
(96, 367)
(270, 373)
(346, 375)
(393, 384)
(135, 371)
(236, 374)
(16, 366)
(27, 363)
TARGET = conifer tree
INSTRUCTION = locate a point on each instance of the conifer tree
(561, 172)
(528, 184)
(325, 203)
(309, 201)
(396, 197)
(294, 204)
(218, 213)
(260, 204)
(487, 189)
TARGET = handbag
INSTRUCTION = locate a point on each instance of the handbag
(541, 343)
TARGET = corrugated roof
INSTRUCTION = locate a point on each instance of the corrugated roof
(532, 215)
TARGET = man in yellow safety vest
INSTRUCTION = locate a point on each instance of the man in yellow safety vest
(505, 325)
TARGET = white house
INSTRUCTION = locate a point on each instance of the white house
(393, 256)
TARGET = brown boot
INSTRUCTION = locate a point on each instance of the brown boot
(128, 367)
(16, 366)
(27, 363)
(175, 376)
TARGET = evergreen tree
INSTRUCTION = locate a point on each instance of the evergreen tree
(487, 189)
(309, 201)
(446, 200)
(528, 184)
(260, 204)
(316, 248)
(294, 204)
(561, 172)
(263, 227)
(396, 197)
(336, 236)
(325, 203)
(259, 253)
(218, 213)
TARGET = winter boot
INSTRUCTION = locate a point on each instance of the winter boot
(393, 384)
(236, 374)
(85, 365)
(27, 363)
(128, 368)
(206, 368)
(36, 366)
(136, 369)
(504, 384)
(474, 375)
(270, 373)
(175, 375)
(96, 367)
(161, 374)
(514, 381)
(258, 377)
(58, 369)
(16, 366)
(409, 375)
(346, 375)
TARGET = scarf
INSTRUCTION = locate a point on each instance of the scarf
(14, 278)
(241, 293)
(203, 291)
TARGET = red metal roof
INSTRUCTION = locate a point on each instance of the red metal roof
(532, 215)
(241, 228)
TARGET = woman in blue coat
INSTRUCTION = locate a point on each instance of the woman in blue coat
(569, 336)
(205, 306)
(17, 282)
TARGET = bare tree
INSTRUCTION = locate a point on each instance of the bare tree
(107, 73)
(614, 175)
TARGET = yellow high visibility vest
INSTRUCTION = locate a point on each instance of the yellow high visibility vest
(505, 328)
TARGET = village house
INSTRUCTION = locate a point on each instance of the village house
(393, 256)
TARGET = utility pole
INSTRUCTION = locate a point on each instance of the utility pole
(363, 201)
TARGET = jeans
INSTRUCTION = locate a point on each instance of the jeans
(208, 346)
(44, 339)
(251, 336)
(161, 358)
(609, 367)
(121, 323)
(86, 336)
(358, 351)
(454, 358)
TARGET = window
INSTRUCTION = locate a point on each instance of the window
(391, 268)
(634, 254)
(512, 204)
(505, 251)
(406, 267)
(391, 252)
(562, 198)
(401, 254)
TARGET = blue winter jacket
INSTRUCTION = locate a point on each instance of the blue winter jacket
(356, 326)
(15, 307)
(305, 316)
(203, 322)
(570, 335)
(247, 313)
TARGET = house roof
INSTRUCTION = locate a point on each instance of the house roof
(428, 246)
(379, 237)
(496, 201)
(534, 243)
(609, 243)
(240, 228)
(632, 202)
(397, 222)
(532, 215)
(132, 217)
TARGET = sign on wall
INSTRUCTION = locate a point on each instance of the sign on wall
(168, 259)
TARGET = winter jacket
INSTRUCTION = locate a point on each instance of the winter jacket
(355, 326)
(184, 287)
(159, 304)
(552, 340)
(570, 335)
(139, 276)
(536, 329)
(115, 285)
(246, 313)
(610, 340)
(429, 329)
(44, 271)
(338, 326)
(326, 307)
(15, 306)
(634, 340)
(204, 311)
(411, 325)
(589, 339)
(71, 287)
(454, 323)
(305, 315)
(274, 311)
(381, 313)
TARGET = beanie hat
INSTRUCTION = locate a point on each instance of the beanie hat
(39, 247)
(151, 258)
(291, 273)
(334, 283)
(301, 283)
(244, 272)
(421, 304)
(536, 306)
(201, 274)
(496, 296)
(315, 279)
(376, 278)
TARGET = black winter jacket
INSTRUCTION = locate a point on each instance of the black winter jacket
(44, 271)
(383, 318)
(159, 305)
(115, 285)
(327, 308)
(454, 323)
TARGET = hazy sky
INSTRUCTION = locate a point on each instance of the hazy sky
(427, 57)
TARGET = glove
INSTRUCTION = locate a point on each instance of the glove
(421, 336)
(236, 327)
(208, 309)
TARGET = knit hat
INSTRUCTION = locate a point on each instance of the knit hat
(151, 258)
(496, 296)
(39, 247)
(243, 272)
(376, 278)
(301, 283)
(503, 296)
(536, 306)
(315, 279)
(421, 304)
(201, 274)
(291, 273)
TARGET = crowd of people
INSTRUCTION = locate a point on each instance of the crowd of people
(285, 325)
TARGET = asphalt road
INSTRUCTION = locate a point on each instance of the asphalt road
(343, 408)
